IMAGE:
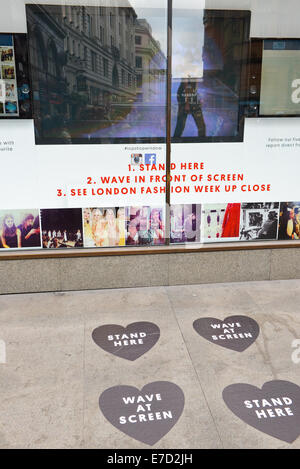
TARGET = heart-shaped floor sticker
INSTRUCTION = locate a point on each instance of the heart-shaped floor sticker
(235, 332)
(129, 342)
(145, 415)
(274, 409)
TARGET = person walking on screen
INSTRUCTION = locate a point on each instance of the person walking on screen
(189, 103)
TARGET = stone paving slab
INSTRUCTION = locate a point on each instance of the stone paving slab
(55, 372)
(269, 358)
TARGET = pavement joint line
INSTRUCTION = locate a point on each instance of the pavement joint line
(270, 264)
(83, 381)
(196, 373)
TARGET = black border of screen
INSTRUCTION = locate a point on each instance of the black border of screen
(256, 53)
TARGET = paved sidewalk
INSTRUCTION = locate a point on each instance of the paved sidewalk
(55, 372)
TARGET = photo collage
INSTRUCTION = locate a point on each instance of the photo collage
(213, 223)
(97, 227)
(8, 78)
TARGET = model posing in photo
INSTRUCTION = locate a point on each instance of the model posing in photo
(10, 234)
(98, 223)
(157, 229)
(111, 233)
(30, 231)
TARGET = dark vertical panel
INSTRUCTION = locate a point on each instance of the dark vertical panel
(168, 146)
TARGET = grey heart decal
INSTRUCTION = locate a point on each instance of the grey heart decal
(235, 332)
(129, 342)
(274, 409)
(145, 415)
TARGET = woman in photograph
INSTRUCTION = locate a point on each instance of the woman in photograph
(157, 227)
(291, 225)
(190, 227)
(98, 227)
(297, 221)
(10, 91)
(87, 228)
(142, 220)
(287, 224)
(111, 235)
(177, 228)
(30, 231)
(10, 234)
(121, 226)
(132, 236)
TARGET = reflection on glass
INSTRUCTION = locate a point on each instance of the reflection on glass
(208, 55)
(145, 226)
(99, 73)
(280, 59)
(185, 223)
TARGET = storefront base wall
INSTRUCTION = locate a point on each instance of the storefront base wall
(147, 270)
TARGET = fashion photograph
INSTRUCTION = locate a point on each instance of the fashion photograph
(20, 229)
(259, 221)
(289, 221)
(104, 227)
(62, 228)
(145, 226)
(219, 222)
(185, 222)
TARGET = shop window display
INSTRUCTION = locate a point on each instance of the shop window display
(98, 74)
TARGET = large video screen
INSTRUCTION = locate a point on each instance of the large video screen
(280, 78)
(209, 66)
(98, 73)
